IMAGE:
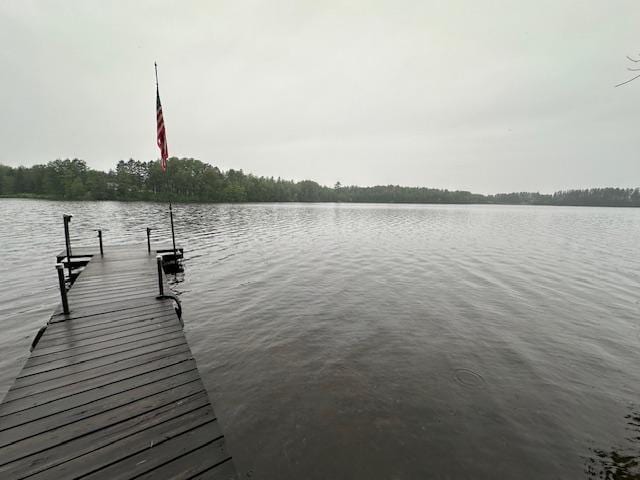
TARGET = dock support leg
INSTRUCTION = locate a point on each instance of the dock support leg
(148, 240)
(160, 283)
(63, 288)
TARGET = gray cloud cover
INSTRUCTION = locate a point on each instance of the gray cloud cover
(481, 95)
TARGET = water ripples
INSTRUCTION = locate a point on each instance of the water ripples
(383, 341)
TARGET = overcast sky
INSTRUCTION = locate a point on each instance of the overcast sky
(486, 96)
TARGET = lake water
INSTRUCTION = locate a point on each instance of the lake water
(384, 341)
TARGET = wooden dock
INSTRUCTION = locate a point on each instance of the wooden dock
(111, 389)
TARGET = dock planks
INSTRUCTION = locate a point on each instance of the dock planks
(112, 390)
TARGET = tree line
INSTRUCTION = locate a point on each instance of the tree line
(190, 180)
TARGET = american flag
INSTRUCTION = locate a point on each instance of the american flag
(162, 135)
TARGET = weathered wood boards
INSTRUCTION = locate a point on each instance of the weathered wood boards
(111, 389)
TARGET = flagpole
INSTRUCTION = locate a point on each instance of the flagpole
(173, 234)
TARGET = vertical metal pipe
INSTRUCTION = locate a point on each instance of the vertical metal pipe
(63, 288)
(100, 240)
(67, 240)
(148, 240)
(173, 236)
(160, 283)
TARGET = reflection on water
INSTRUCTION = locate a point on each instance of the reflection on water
(616, 464)
(384, 341)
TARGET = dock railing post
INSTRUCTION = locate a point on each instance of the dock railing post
(63, 288)
(148, 240)
(67, 239)
(100, 240)
(173, 236)
(160, 283)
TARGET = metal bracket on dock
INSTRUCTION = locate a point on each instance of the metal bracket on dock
(162, 295)
(36, 339)
(178, 305)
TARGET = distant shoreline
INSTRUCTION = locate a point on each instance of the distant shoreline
(58, 199)
(188, 180)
